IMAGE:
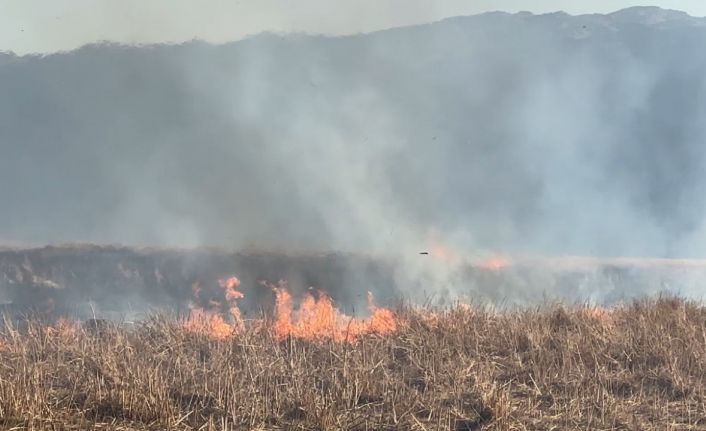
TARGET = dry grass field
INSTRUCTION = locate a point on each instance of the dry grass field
(639, 366)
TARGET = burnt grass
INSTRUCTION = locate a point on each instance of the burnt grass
(638, 366)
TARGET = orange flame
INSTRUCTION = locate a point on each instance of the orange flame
(496, 263)
(383, 320)
(210, 321)
(229, 285)
(317, 319)
(64, 329)
(439, 250)
(442, 252)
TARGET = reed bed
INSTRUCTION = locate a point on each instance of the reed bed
(639, 366)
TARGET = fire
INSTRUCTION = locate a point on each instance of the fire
(318, 319)
(63, 328)
(229, 285)
(495, 263)
(442, 252)
(383, 320)
(210, 321)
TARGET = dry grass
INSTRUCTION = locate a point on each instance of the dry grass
(640, 366)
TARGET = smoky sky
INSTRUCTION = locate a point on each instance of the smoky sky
(541, 134)
(37, 26)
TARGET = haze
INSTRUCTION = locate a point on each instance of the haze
(508, 133)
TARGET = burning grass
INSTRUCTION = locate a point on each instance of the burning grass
(639, 366)
(316, 318)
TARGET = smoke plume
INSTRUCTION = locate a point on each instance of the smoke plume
(503, 133)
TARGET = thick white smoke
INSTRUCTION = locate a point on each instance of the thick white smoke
(516, 134)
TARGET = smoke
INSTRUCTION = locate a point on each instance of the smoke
(517, 134)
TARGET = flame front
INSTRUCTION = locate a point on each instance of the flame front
(229, 285)
(316, 318)
(210, 321)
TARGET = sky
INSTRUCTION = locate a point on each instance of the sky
(40, 26)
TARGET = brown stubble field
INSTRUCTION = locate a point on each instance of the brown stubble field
(638, 366)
